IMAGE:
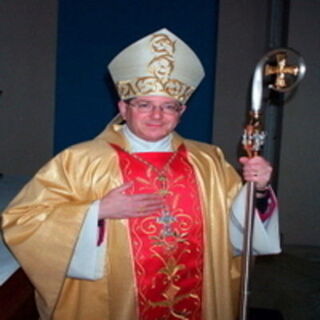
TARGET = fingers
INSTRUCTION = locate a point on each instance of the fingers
(117, 204)
(145, 210)
(243, 160)
(256, 169)
(255, 163)
(146, 203)
(145, 197)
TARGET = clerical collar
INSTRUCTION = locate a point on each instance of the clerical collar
(139, 145)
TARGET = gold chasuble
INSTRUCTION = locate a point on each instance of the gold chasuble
(178, 260)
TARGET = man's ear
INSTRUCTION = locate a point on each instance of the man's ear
(182, 109)
(122, 106)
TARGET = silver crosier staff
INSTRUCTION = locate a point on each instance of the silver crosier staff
(273, 72)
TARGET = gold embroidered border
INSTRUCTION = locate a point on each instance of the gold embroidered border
(150, 85)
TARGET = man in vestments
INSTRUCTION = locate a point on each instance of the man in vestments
(140, 223)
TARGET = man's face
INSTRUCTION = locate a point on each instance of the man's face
(152, 117)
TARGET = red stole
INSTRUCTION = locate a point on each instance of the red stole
(167, 246)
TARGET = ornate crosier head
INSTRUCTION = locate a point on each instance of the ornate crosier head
(158, 64)
(280, 70)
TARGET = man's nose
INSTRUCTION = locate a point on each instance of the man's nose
(157, 112)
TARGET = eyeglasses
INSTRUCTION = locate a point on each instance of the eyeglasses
(146, 107)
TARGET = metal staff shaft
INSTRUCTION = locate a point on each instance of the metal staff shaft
(282, 77)
(247, 248)
(252, 140)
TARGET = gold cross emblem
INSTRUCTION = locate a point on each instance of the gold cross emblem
(281, 70)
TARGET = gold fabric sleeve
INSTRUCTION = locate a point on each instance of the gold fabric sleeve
(42, 223)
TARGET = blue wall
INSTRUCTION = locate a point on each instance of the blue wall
(92, 32)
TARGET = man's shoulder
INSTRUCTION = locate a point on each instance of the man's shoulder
(91, 148)
(94, 144)
(89, 156)
(201, 146)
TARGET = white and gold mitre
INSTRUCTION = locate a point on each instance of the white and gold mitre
(158, 64)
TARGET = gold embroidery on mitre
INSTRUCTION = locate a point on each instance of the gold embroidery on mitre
(160, 67)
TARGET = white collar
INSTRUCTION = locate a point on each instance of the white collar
(139, 145)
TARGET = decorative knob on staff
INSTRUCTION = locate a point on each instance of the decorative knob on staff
(275, 71)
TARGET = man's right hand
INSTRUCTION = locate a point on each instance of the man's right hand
(118, 205)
